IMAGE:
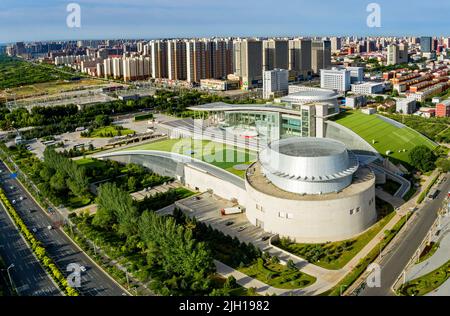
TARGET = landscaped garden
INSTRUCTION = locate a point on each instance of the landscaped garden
(335, 255)
(108, 131)
(277, 275)
(427, 283)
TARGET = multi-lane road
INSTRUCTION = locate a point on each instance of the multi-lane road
(28, 276)
(61, 249)
(394, 262)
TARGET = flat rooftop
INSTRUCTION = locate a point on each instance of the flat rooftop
(363, 179)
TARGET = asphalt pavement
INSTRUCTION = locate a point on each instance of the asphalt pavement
(394, 262)
(28, 276)
(94, 282)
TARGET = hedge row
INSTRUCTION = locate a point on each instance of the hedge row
(143, 117)
(38, 249)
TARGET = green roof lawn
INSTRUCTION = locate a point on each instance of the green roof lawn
(386, 135)
(217, 154)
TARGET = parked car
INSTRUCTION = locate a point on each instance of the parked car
(229, 223)
(14, 202)
(264, 238)
(83, 269)
(242, 228)
(34, 230)
(49, 227)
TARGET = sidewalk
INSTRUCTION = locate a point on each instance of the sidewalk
(439, 258)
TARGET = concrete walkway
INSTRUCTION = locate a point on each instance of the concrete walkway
(443, 290)
(439, 258)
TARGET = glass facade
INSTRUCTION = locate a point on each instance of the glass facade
(266, 124)
(273, 125)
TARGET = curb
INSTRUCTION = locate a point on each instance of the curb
(34, 255)
(71, 240)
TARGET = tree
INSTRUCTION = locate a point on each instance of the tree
(116, 206)
(443, 164)
(422, 158)
(230, 283)
(132, 184)
(102, 120)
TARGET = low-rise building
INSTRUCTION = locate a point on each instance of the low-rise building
(368, 88)
(219, 85)
(406, 106)
(335, 79)
(356, 101)
(443, 109)
(369, 111)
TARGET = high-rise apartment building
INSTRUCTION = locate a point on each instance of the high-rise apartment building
(248, 62)
(397, 54)
(320, 55)
(300, 57)
(221, 58)
(425, 44)
(336, 44)
(176, 60)
(275, 54)
(198, 60)
(108, 68)
(159, 59)
(117, 68)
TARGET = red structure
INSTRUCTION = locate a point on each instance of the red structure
(443, 109)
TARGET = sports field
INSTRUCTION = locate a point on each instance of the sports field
(223, 156)
(387, 136)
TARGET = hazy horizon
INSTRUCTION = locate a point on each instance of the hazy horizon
(135, 19)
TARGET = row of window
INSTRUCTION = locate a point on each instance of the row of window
(280, 214)
(355, 210)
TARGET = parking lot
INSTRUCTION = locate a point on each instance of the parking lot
(207, 208)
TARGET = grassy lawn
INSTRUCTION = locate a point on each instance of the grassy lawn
(336, 255)
(90, 163)
(278, 275)
(217, 154)
(386, 136)
(77, 202)
(110, 131)
(426, 283)
(53, 87)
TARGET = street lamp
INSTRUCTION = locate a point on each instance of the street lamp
(9, 275)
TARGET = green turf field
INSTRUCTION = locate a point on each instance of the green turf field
(217, 154)
(386, 136)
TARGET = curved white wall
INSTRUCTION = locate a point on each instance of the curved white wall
(313, 221)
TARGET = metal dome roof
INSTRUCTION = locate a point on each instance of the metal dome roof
(308, 165)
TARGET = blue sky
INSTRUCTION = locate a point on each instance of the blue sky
(46, 19)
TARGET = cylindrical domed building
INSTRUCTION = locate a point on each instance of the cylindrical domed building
(311, 190)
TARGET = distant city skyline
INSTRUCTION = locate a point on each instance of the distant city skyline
(46, 20)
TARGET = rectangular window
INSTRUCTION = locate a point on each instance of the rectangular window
(358, 209)
(351, 212)
(290, 215)
(282, 214)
